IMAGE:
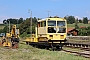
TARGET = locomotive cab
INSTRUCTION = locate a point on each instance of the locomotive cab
(52, 29)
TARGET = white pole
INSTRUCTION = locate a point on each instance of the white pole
(17, 23)
(9, 26)
(48, 13)
(29, 11)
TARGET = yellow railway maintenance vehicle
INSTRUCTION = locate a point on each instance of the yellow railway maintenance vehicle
(49, 33)
(12, 38)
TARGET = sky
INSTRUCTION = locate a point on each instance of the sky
(39, 8)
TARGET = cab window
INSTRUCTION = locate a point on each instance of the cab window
(51, 23)
(38, 24)
(61, 30)
(60, 23)
(51, 29)
(43, 24)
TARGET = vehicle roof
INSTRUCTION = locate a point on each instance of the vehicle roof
(58, 19)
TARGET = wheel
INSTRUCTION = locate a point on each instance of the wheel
(47, 47)
(14, 45)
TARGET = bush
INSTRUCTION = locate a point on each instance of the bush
(84, 31)
(23, 35)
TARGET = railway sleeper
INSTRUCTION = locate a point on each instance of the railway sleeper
(77, 45)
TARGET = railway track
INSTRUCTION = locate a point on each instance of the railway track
(85, 47)
(85, 54)
(77, 45)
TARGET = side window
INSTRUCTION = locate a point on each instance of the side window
(38, 24)
(41, 24)
(44, 23)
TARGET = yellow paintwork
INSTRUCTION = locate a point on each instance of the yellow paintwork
(42, 30)
(57, 36)
(9, 35)
(43, 35)
(31, 40)
(14, 31)
(8, 44)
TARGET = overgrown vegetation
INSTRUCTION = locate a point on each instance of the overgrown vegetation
(25, 27)
(84, 31)
(25, 52)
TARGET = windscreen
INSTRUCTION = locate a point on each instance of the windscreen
(61, 27)
(61, 30)
(51, 23)
(51, 30)
(60, 23)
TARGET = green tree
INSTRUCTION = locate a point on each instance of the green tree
(70, 19)
(13, 21)
(85, 20)
(80, 21)
(5, 29)
(1, 30)
(84, 31)
(20, 20)
(25, 26)
(88, 31)
(76, 24)
(5, 21)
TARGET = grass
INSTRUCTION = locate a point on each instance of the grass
(25, 52)
(2, 26)
(79, 24)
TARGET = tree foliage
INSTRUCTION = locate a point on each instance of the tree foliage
(76, 24)
(5, 29)
(85, 20)
(70, 19)
(25, 26)
(84, 31)
(13, 21)
(80, 21)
